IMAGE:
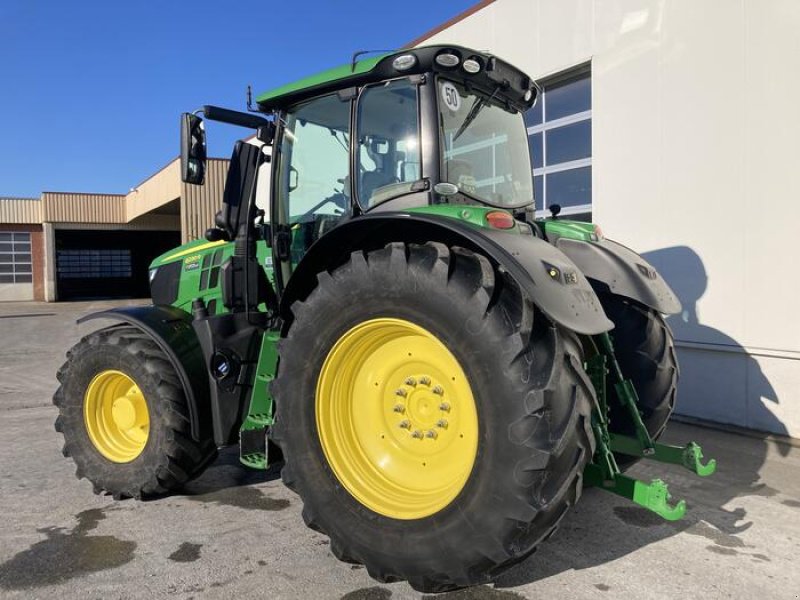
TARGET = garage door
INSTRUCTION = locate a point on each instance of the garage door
(16, 272)
(108, 264)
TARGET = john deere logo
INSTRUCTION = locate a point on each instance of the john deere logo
(190, 263)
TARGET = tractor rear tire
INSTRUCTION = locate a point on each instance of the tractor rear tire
(125, 418)
(645, 350)
(510, 383)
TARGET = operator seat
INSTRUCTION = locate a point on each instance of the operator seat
(371, 181)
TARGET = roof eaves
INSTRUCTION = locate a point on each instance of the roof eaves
(450, 22)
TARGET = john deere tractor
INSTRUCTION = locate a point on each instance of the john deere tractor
(442, 372)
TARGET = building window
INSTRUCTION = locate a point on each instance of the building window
(560, 138)
(15, 257)
(90, 264)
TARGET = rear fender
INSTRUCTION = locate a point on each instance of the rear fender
(608, 264)
(551, 280)
(171, 329)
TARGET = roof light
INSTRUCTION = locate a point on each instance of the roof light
(528, 95)
(471, 66)
(500, 219)
(404, 62)
(447, 59)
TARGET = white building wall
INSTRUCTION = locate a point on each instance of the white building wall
(696, 151)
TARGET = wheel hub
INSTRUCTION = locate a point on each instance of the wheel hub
(420, 409)
(396, 418)
(124, 413)
(116, 416)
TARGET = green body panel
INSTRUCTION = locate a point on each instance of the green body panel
(184, 251)
(200, 278)
(474, 215)
(574, 230)
(340, 73)
(200, 272)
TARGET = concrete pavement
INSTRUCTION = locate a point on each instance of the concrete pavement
(238, 533)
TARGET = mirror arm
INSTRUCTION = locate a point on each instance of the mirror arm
(234, 117)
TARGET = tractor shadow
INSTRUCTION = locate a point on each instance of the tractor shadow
(603, 527)
(228, 482)
(742, 388)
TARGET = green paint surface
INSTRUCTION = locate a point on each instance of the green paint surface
(474, 215)
(574, 230)
(260, 413)
(181, 252)
(199, 259)
(340, 73)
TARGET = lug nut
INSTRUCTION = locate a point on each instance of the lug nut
(431, 434)
(425, 380)
(445, 406)
(399, 408)
(400, 392)
(410, 381)
(404, 424)
(416, 434)
(437, 389)
(442, 423)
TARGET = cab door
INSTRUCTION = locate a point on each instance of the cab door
(312, 178)
(389, 146)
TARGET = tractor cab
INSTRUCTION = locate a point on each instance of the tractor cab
(417, 133)
(434, 126)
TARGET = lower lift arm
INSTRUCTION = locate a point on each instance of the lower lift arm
(604, 472)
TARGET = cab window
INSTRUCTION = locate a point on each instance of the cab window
(388, 153)
(313, 187)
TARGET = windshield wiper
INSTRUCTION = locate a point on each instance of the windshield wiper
(476, 108)
(344, 144)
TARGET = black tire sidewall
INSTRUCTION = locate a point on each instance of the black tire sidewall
(486, 350)
(84, 366)
(640, 332)
(645, 350)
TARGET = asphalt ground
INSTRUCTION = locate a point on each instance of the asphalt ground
(239, 533)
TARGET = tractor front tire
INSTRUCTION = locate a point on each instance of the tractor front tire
(434, 423)
(645, 350)
(125, 418)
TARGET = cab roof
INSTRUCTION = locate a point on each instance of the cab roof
(494, 76)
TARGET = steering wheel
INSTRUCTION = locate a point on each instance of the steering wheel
(338, 199)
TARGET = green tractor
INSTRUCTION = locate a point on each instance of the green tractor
(441, 372)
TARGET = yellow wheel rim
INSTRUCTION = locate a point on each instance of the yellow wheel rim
(396, 418)
(116, 416)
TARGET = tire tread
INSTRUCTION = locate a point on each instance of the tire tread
(181, 457)
(550, 359)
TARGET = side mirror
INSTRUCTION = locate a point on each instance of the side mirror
(193, 149)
